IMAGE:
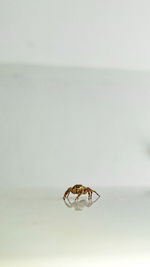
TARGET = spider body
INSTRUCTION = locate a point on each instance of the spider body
(79, 189)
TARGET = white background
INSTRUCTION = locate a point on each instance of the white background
(86, 121)
(101, 33)
(62, 125)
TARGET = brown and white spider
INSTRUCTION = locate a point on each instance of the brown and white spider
(79, 190)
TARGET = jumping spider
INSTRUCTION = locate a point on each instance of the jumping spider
(79, 189)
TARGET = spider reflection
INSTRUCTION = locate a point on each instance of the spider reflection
(80, 204)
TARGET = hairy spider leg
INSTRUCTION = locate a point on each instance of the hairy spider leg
(67, 193)
(95, 193)
(89, 194)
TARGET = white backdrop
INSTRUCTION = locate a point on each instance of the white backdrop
(65, 126)
(101, 33)
(62, 126)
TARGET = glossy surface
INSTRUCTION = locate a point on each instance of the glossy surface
(37, 228)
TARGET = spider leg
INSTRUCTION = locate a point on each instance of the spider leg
(89, 194)
(78, 196)
(95, 193)
(67, 193)
(89, 191)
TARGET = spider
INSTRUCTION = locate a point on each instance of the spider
(79, 189)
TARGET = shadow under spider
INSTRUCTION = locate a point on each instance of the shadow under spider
(80, 204)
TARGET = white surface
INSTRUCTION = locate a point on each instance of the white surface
(112, 34)
(60, 126)
(38, 229)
